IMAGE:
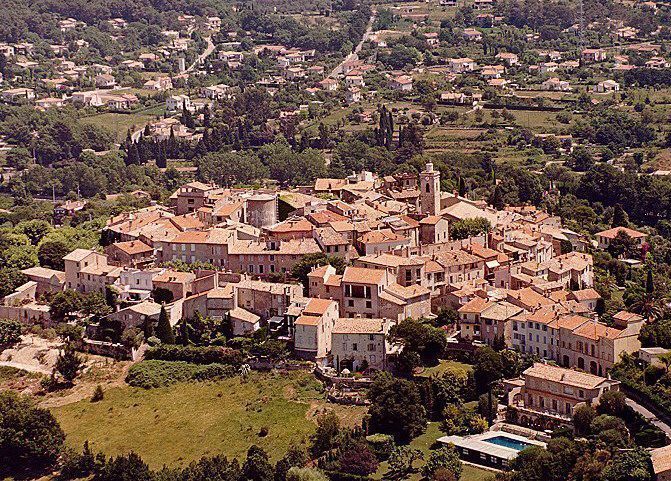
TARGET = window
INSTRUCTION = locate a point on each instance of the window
(350, 303)
(369, 305)
(354, 346)
(371, 347)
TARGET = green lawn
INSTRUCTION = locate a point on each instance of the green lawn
(458, 368)
(181, 423)
(424, 443)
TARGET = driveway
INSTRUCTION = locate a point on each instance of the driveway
(650, 416)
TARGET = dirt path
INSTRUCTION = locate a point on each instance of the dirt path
(102, 371)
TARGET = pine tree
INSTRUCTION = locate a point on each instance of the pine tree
(620, 217)
(164, 329)
(147, 132)
(69, 363)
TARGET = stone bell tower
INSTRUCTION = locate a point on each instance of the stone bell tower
(429, 198)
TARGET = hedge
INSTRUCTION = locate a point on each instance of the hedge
(196, 354)
(154, 374)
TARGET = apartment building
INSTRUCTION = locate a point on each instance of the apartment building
(548, 395)
(266, 299)
(358, 343)
(595, 347)
(88, 271)
(313, 329)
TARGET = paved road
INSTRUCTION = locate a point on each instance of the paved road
(650, 416)
(355, 55)
(201, 58)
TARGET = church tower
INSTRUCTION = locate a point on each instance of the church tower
(429, 198)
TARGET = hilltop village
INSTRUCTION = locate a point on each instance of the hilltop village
(338, 240)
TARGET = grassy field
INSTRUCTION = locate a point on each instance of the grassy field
(458, 368)
(424, 443)
(119, 124)
(181, 423)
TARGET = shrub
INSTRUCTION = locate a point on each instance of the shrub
(196, 354)
(154, 373)
(10, 331)
(305, 474)
(98, 394)
(381, 444)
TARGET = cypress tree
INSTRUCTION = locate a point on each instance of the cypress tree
(462, 187)
(164, 329)
(649, 283)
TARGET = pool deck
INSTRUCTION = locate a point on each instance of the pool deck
(479, 443)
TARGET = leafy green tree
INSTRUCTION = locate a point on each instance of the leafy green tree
(488, 368)
(30, 437)
(164, 329)
(19, 158)
(443, 458)
(396, 408)
(629, 465)
(161, 295)
(70, 332)
(93, 304)
(613, 403)
(582, 419)
(582, 160)
(425, 340)
(64, 305)
(35, 230)
(622, 245)
(230, 168)
(496, 200)
(327, 434)
(463, 229)
(51, 252)
(401, 461)
(10, 279)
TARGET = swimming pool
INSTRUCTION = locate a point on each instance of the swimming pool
(507, 442)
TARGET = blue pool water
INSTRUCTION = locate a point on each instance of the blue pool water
(508, 442)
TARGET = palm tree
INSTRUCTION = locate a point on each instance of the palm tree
(648, 307)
